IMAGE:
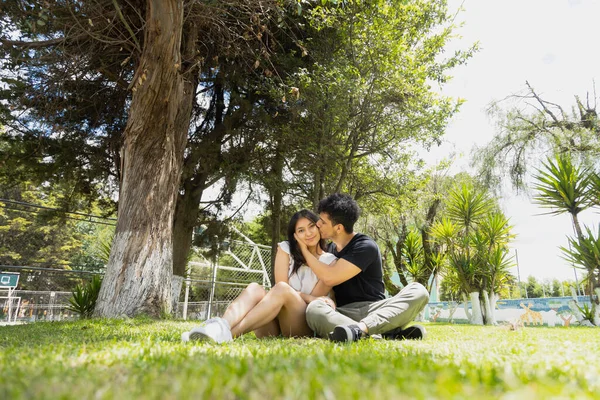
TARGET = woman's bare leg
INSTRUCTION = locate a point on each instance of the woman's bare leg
(292, 320)
(282, 297)
(245, 302)
(270, 329)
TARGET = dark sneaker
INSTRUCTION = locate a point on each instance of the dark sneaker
(346, 333)
(413, 332)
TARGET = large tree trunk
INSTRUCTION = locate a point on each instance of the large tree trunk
(138, 275)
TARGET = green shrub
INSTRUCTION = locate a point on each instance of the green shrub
(84, 298)
(587, 312)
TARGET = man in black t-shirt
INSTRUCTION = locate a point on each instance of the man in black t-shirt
(357, 281)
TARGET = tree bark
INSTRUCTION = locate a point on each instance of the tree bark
(489, 313)
(428, 263)
(390, 286)
(396, 250)
(186, 208)
(276, 201)
(138, 275)
(186, 216)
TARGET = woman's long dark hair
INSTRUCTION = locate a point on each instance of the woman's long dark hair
(295, 252)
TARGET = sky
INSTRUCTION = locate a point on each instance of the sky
(553, 44)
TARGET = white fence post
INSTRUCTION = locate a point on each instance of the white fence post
(187, 294)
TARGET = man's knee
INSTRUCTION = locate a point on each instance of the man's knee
(314, 311)
(416, 291)
(422, 292)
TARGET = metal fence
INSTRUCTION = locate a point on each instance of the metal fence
(215, 278)
(42, 293)
(214, 282)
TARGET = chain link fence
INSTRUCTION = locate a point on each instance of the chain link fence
(215, 279)
(42, 293)
(214, 282)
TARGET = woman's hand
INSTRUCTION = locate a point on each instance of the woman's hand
(301, 243)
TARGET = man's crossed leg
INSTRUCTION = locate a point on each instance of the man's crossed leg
(389, 317)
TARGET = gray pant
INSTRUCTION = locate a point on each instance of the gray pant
(380, 316)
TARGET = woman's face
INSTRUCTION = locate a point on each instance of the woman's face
(307, 231)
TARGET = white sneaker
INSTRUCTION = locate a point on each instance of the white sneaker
(185, 337)
(213, 330)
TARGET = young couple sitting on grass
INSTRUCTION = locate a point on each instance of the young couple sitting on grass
(333, 291)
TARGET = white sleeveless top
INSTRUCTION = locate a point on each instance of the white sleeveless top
(304, 279)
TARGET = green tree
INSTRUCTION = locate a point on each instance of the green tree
(33, 237)
(403, 226)
(533, 287)
(475, 237)
(367, 99)
(565, 187)
(529, 125)
(142, 52)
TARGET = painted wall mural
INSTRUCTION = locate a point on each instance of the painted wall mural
(548, 311)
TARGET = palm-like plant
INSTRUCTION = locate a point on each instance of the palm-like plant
(567, 188)
(595, 188)
(564, 187)
(585, 253)
(413, 254)
(467, 206)
(472, 235)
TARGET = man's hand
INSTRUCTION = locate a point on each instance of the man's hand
(326, 300)
(301, 244)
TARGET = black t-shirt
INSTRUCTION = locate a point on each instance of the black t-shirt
(367, 285)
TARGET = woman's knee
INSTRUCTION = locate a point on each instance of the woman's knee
(256, 291)
(282, 288)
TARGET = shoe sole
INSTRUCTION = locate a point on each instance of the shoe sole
(200, 337)
(415, 332)
(341, 334)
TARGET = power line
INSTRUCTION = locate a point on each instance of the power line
(4, 203)
(26, 268)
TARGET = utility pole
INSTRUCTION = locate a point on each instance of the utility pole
(575, 272)
(519, 274)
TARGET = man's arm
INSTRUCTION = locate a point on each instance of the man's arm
(332, 274)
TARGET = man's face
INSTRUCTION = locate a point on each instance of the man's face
(325, 226)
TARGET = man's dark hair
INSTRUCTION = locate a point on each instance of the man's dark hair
(342, 209)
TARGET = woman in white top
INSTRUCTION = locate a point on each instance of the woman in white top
(281, 310)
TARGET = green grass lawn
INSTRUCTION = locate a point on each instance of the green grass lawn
(143, 358)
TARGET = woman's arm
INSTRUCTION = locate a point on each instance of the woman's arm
(282, 265)
(319, 290)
